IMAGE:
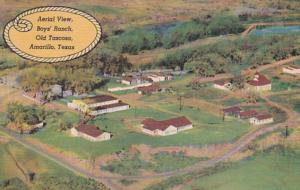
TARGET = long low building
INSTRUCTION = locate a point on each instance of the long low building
(120, 106)
(262, 119)
(90, 132)
(98, 105)
(166, 127)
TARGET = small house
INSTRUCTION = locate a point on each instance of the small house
(90, 132)
(232, 111)
(259, 83)
(156, 77)
(262, 119)
(152, 89)
(222, 85)
(131, 80)
(291, 69)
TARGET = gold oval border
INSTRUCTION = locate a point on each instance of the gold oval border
(18, 20)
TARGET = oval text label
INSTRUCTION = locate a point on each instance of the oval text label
(52, 34)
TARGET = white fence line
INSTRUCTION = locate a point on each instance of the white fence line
(128, 87)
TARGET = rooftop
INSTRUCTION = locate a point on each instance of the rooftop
(259, 80)
(234, 109)
(263, 116)
(151, 88)
(178, 122)
(91, 130)
(248, 113)
(99, 99)
(109, 106)
(221, 82)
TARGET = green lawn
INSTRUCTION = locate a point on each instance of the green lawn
(164, 161)
(3, 119)
(208, 129)
(161, 162)
(291, 100)
(269, 171)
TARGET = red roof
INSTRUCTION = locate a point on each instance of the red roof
(149, 89)
(220, 82)
(248, 113)
(178, 122)
(263, 116)
(90, 130)
(152, 124)
(259, 80)
(234, 109)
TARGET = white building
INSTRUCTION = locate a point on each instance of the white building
(166, 127)
(223, 85)
(120, 106)
(90, 132)
(101, 100)
(98, 105)
(259, 83)
(291, 69)
(261, 119)
(156, 78)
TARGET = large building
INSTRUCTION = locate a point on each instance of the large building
(98, 105)
(165, 127)
(259, 83)
(90, 132)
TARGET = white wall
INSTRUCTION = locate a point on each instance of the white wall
(109, 110)
(103, 103)
(183, 128)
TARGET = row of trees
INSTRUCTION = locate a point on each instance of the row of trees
(20, 114)
(82, 75)
(232, 56)
(140, 39)
(53, 182)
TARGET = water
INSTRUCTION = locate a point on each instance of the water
(275, 30)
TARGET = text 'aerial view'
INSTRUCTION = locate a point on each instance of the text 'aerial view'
(150, 95)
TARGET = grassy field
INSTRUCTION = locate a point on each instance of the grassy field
(291, 100)
(125, 128)
(28, 160)
(161, 162)
(269, 171)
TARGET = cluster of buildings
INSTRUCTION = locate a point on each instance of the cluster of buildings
(98, 105)
(253, 116)
(146, 78)
(56, 91)
(149, 126)
(259, 83)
